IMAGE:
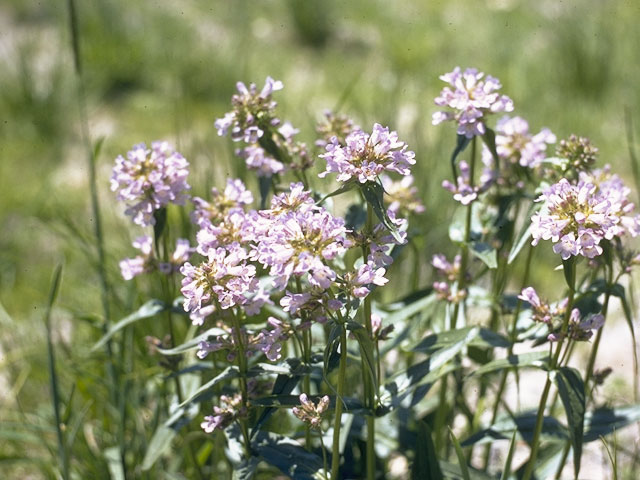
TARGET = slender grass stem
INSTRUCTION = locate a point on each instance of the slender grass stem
(53, 377)
(337, 421)
(112, 375)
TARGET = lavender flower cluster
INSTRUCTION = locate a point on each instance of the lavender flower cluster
(470, 100)
(149, 179)
(271, 147)
(579, 328)
(294, 240)
(293, 254)
(577, 217)
(363, 157)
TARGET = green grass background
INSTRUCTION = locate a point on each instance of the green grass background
(166, 70)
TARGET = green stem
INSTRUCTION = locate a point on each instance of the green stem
(594, 350)
(337, 422)
(306, 354)
(512, 338)
(242, 366)
(324, 455)
(591, 362)
(554, 362)
(443, 411)
(370, 393)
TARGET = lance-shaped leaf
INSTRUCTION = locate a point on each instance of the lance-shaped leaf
(193, 343)
(349, 404)
(479, 337)
(285, 382)
(525, 233)
(461, 143)
(485, 253)
(204, 392)
(604, 421)
(427, 371)
(425, 463)
(489, 139)
(264, 185)
(288, 456)
(571, 389)
(374, 193)
(452, 471)
(531, 359)
(366, 349)
(462, 461)
(148, 310)
(506, 470)
(549, 458)
(524, 424)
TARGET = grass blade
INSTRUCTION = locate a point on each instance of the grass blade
(506, 471)
(53, 377)
(462, 460)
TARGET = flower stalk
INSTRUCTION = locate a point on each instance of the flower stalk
(570, 275)
(337, 422)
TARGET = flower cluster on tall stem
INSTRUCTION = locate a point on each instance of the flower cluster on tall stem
(472, 98)
(577, 217)
(363, 157)
(149, 179)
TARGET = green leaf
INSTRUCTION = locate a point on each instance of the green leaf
(288, 456)
(408, 309)
(349, 404)
(525, 233)
(160, 216)
(604, 421)
(374, 194)
(531, 359)
(506, 470)
(191, 344)
(356, 217)
(366, 349)
(458, 223)
(524, 424)
(484, 252)
(569, 269)
(453, 472)
(204, 392)
(443, 348)
(331, 356)
(425, 463)
(344, 188)
(489, 139)
(159, 444)
(461, 143)
(549, 457)
(148, 310)
(264, 185)
(479, 337)
(112, 456)
(462, 461)
(53, 375)
(246, 469)
(571, 389)
(283, 386)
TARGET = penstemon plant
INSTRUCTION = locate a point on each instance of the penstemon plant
(286, 346)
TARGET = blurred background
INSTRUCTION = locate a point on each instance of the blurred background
(166, 70)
